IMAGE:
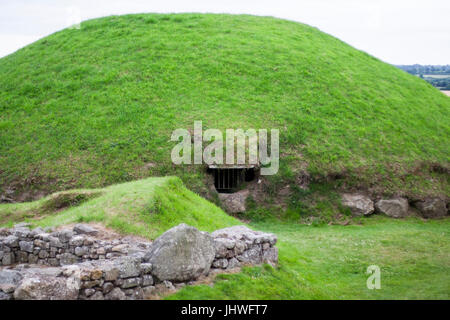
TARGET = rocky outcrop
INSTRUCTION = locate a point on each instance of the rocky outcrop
(396, 208)
(234, 202)
(189, 251)
(431, 208)
(358, 204)
(133, 269)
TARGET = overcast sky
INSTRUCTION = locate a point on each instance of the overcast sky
(396, 31)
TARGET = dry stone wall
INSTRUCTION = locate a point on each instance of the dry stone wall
(75, 264)
(68, 246)
(239, 245)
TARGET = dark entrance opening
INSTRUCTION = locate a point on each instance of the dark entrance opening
(230, 179)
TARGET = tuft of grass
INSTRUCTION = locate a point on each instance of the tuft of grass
(96, 106)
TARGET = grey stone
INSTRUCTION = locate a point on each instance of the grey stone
(9, 279)
(97, 296)
(8, 258)
(242, 235)
(147, 280)
(115, 294)
(111, 273)
(44, 287)
(53, 262)
(55, 242)
(67, 258)
(234, 202)
(32, 258)
(131, 282)
(43, 254)
(358, 204)
(121, 248)
(148, 291)
(128, 266)
(4, 232)
(36, 232)
(41, 244)
(80, 251)
(107, 287)
(396, 208)
(432, 208)
(76, 241)
(233, 263)
(134, 294)
(51, 272)
(89, 292)
(188, 251)
(146, 268)
(240, 247)
(221, 247)
(168, 285)
(270, 256)
(22, 225)
(251, 256)
(63, 235)
(5, 296)
(85, 229)
(91, 284)
(21, 256)
(220, 263)
(21, 232)
(11, 241)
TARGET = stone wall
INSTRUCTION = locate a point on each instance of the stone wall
(68, 246)
(240, 245)
(76, 265)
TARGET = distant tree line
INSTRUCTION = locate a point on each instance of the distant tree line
(437, 75)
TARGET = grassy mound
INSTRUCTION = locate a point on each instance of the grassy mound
(96, 106)
(146, 207)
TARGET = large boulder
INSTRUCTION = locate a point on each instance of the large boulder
(9, 280)
(41, 286)
(234, 202)
(396, 208)
(432, 208)
(358, 204)
(182, 253)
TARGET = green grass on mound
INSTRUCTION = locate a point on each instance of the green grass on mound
(96, 106)
(146, 207)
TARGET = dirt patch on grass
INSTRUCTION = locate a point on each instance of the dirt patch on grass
(63, 200)
(105, 233)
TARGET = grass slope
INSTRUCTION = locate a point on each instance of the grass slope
(92, 107)
(146, 207)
